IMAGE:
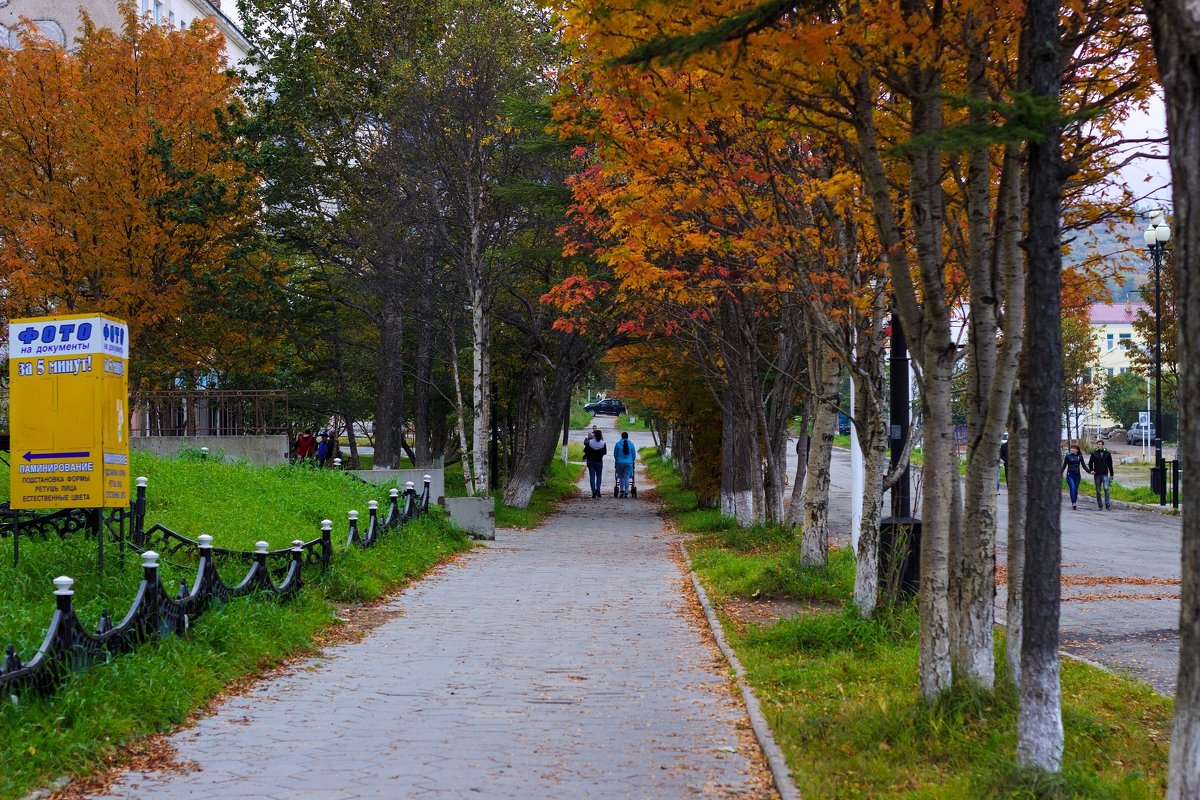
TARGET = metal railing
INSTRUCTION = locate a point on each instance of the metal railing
(154, 613)
(217, 412)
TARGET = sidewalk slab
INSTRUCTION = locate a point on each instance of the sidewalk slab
(565, 662)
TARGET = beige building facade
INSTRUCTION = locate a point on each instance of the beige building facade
(1112, 326)
(59, 20)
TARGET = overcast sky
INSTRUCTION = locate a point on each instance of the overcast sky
(1146, 176)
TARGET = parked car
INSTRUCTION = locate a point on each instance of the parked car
(843, 424)
(1141, 433)
(609, 405)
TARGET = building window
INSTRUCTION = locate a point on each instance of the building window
(1123, 370)
(1110, 372)
(158, 11)
(1126, 337)
(1111, 344)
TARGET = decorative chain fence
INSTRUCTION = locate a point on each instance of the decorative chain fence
(154, 613)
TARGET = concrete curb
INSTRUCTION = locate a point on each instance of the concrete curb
(758, 721)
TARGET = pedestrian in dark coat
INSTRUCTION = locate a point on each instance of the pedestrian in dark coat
(594, 450)
(1100, 464)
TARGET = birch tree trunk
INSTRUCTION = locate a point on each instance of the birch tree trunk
(795, 513)
(481, 376)
(814, 534)
(873, 435)
(1039, 718)
(938, 355)
(936, 496)
(1175, 25)
(925, 319)
(464, 444)
(1018, 433)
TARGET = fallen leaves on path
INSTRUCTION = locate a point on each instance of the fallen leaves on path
(1114, 582)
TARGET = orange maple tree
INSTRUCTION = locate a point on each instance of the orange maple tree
(122, 195)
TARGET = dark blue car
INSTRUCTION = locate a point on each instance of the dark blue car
(609, 405)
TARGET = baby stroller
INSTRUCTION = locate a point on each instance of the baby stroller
(632, 483)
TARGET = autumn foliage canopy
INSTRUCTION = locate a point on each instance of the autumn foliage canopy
(121, 196)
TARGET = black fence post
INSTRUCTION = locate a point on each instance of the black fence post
(393, 517)
(326, 543)
(154, 593)
(139, 512)
(1175, 483)
(260, 564)
(96, 522)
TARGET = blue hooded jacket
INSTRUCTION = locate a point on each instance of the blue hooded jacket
(624, 452)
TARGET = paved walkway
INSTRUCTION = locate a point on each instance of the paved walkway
(566, 662)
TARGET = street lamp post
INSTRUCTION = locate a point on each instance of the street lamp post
(1156, 237)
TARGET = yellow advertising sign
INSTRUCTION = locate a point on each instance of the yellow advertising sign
(68, 412)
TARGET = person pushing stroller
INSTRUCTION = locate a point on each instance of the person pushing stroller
(624, 456)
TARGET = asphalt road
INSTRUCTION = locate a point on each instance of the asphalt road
(1121, 571)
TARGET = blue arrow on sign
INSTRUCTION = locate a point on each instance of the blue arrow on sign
(30, 456)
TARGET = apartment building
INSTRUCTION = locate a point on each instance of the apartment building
(1111, 327)
(59, 20)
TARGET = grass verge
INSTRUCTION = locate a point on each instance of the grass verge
(84, 724)
(557, 483)
(841, 692)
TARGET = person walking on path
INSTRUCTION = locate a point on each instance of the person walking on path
(1100, 464)
(323, 450)
(1003, 465)
(306, 446)
(594, 450)
(1072, 463)
(624, 454)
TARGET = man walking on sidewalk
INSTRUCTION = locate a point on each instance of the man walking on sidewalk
(1100, 464)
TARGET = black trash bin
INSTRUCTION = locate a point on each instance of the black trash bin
(899, 558)
(1156, 479)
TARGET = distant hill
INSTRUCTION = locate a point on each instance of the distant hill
(1121, 252)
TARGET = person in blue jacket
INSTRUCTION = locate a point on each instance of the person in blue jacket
(624, 454)
(323, 450)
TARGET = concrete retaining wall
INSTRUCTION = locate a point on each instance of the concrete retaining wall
(269, 450)
(437, 479)
(476, 515)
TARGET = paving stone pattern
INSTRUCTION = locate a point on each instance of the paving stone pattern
(565, 662)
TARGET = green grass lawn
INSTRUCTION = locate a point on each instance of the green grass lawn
(558, 483)
(155, 688)
(841, 692)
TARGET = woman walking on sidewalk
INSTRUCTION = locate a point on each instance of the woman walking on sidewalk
(1072, 463)
(624, 454)
(594, 450)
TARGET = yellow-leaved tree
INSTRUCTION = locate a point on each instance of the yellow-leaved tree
(122, 196)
